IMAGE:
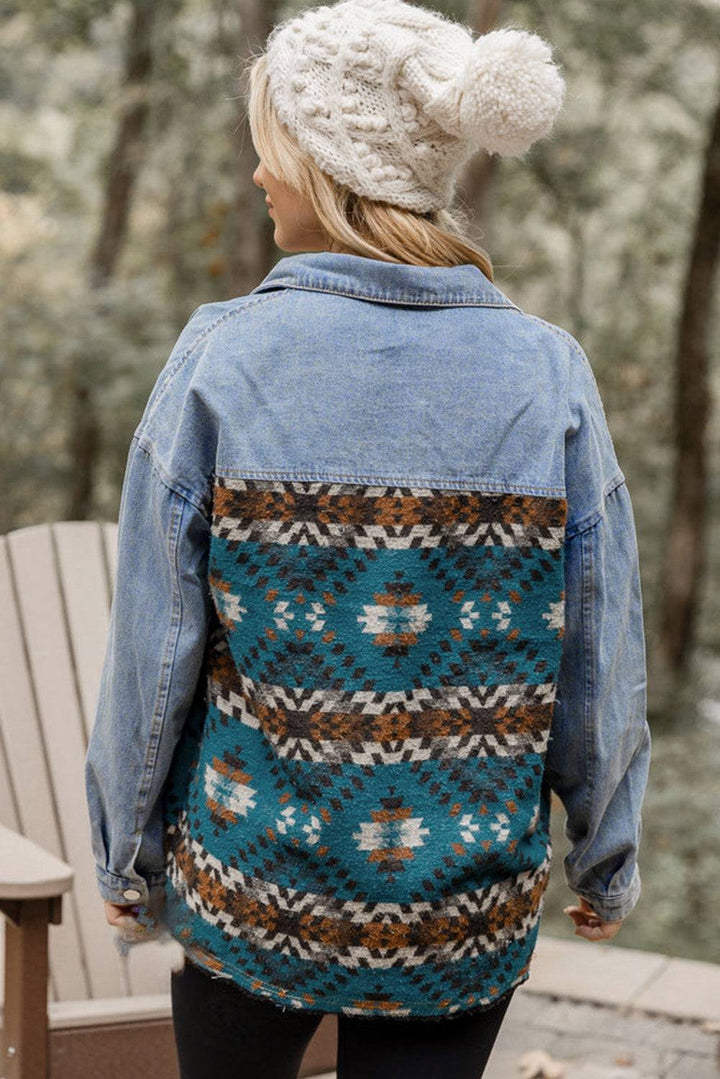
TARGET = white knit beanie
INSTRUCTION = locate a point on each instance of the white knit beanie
(390, 98)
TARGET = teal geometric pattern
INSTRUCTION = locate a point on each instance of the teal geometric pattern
(356, 818)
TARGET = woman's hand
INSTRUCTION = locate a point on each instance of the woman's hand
(589, 924)
(115, 913)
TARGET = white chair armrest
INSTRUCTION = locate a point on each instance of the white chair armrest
(29, 872)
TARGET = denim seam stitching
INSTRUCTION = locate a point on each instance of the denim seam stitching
(128, 882)
(574, 345)
(403, 302)
(588, 522)
(581, 354)
(609, 898)
(358, 477)
(166, 667)
(196, 501)
(588, 566)
(191, 348)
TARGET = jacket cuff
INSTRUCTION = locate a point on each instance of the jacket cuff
(613, 908)
(126, 890)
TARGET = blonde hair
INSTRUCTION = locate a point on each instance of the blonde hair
(355, 223)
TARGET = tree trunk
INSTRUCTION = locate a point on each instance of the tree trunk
(251, 246)
(123, 167)
(684, 560)
(128, 152)
(578, 274)
(484, 15)
(477, 177)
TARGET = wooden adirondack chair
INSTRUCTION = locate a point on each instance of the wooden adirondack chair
(73, 1007)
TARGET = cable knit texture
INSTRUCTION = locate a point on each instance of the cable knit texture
(391, 98)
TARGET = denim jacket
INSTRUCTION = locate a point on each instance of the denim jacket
(343, 369)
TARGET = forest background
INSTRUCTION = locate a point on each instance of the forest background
(126, 200)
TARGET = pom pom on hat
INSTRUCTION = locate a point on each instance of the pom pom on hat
(506, 94)
(510, 91)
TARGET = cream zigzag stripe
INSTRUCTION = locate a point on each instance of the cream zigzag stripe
(374, 703)
(395, 537)
(297, 903)
(368, 536)
(405, 750)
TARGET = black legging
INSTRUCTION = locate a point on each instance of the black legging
(222, 1032)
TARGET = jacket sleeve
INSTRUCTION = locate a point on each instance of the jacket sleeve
(154, 653)
(599, 751)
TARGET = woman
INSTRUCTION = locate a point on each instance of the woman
(377, 593)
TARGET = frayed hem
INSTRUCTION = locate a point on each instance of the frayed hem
(268, 995)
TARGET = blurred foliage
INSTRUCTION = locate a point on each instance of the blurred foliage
(680, 853)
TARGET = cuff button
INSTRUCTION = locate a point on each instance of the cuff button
(131, 893)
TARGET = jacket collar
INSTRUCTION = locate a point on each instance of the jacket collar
(384, 282)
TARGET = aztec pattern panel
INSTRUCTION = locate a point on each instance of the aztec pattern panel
(356, 820)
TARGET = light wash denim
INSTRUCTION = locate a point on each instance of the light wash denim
(340, 367)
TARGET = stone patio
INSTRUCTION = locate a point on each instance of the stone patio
(601, 1041)
(604, 1012)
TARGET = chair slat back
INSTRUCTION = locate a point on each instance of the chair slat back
(55, 593)
(85, 588)
(8, 816)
